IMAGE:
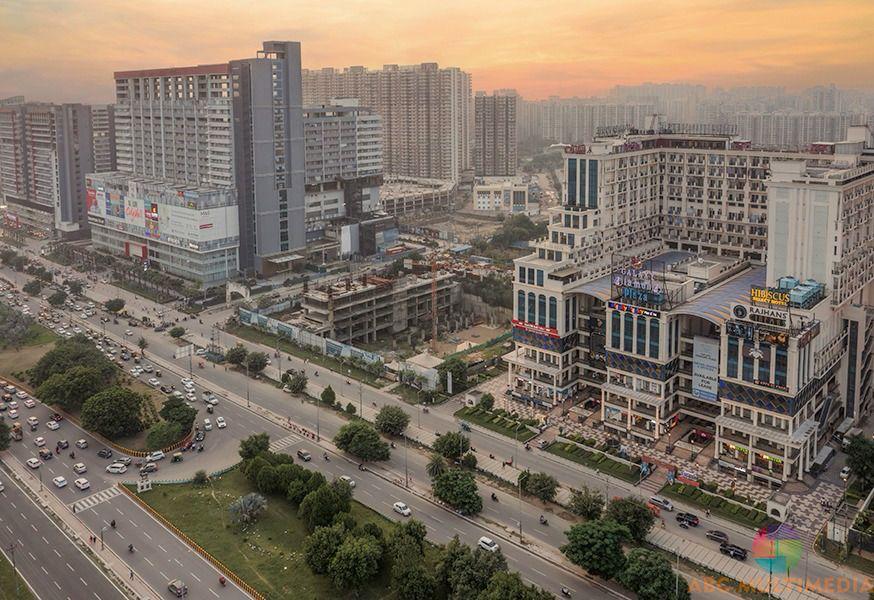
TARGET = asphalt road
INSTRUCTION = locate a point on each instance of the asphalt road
(49, 561)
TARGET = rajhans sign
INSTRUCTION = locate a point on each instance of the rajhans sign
(705, 368)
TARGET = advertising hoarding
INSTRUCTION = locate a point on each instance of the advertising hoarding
(705, 368)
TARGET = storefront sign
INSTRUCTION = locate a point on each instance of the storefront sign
(533, 328)
(771, 296)
(636, 310)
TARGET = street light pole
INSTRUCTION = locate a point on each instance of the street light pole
(360, 399)
(406, 470)
(102, 529)
(14, 569)
(248, 403)
(318, 406)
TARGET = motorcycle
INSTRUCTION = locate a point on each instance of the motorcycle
(528, 447)
(130, 548)
(393, 445)
(543, 520)
(565, 592)
(494, 497)
(325, 456)
(223, 581)
(361, 467)
(425, 409)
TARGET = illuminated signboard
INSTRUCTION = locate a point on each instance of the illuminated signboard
(638, 284)
(764, 295)
(654, 314)
(575, 149)
(534, 328)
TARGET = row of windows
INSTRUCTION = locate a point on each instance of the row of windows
(531, 276)
(756, 364)
(628, 337)
(534, 311)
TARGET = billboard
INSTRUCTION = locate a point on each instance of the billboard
(705, 368)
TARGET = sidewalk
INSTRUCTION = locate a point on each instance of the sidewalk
(109, 562)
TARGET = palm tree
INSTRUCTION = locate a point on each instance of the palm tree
(246, 509)
(436, 466)
(143, 344)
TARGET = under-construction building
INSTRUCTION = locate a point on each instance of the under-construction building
(369, 308)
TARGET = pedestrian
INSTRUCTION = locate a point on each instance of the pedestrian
(131, 573)
(707, 512)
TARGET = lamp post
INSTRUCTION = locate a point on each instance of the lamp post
(318, 406)
(102, 529)
(14, 569)
(406, 470)
(248, 401)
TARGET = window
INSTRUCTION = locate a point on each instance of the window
(540, 277)
(641, 335)
(521, 274)
(654, 338)
(520, 306)
(733, 345)
(592, 191)
(671, 336)
(531, 276)
(532, 307)
(572, 181)
(748, 362)
(628, 332)
(780, 367)
(765, 363)
(541, 310)
(615, 323)
(553, 313)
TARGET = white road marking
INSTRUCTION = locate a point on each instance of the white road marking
(56, 584)
(147, 535)
(83, 581)
(162, 548)
(541, 573)
(213, 593)
(56, 552)
(45, 540)
(457, 530)
(32, 557)
(162, 575)
(71, 568)
(43, 569)
(196, 577)
(435, 518)
(148, 561)
(32, 526)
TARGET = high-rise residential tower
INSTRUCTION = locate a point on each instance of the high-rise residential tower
(427, 113)
(103, 136)
(494, 147)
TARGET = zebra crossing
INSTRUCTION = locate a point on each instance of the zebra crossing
(283, 443)
(95, 499)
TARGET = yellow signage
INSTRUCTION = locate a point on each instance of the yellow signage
(769, 296)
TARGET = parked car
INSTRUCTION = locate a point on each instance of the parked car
(717, 536)
(82, 483)
(662, 503)
(155, 456)
(845, 473)
(735, 552)
(116, 469)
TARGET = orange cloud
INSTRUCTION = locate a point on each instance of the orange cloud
(67, 49)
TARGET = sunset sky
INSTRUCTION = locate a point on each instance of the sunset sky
(66, 50)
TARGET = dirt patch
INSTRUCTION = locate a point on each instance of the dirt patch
(472, 336)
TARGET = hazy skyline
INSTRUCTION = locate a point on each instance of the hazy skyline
(67, 50)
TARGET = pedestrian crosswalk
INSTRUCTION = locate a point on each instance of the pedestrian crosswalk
(95, 499)
(283, 443)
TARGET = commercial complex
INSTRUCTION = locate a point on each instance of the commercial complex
(228, 134)
(504, 195)
(45, 152)
(494, 146)
(374, 307)
(696, 279)
(427, 113)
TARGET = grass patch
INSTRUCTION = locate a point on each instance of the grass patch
(742, 515)
(836, 552)
(267, 555)
(596, 460)
(258, 336)
(497, 423)
(14, 363)
(9, 579)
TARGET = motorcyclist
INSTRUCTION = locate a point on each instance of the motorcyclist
(112, 523)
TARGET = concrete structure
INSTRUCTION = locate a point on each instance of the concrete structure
(427, 113)
(504, 195)
(231, 130)
(374, 307)
(694, 278)
(494, 147)
(45, 152)
(414, 196)
(103, 137)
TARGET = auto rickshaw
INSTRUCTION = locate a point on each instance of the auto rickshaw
(158, 373)
(209, 408)
(177, 457)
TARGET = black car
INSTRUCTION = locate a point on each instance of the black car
(63, 444)
(45, 454)
(735, 552)
(717, 536)
(304, 455)
(104, 453)
(689, 518)
(199, 436)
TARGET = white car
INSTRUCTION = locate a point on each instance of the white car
(191, 396)
(845, 473)
(82, 483)
(116, 468)
(13, 414)
(207, 425)
(53, 425)
(30, 403)
(12, 404)
(156, 455)
(154, 382)
(488, 544)
(128, 332)
(148, 368)
(59, 482)
(33, 463)
(21, 394)
(402, 509)
(79, 468)
(349, 481)
(220, 423)
(82, 444)
(187, 382)
(39, 442)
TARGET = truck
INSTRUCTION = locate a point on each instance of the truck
(848, 437)
(17, 435)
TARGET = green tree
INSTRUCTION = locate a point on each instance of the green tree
(392, 420)
(412, 580)
(115, 305)
(5, 435)
(328, 396)
(355, 562)
(487, 401)
(321, 546)
(113, 413)
(200, 477)
(268, 481)
(413, 532)
(69, 353)
(436, 465)
(586, 503)
(32, 287)
(256, 362)
(649, 575)
(350, 409)
(18, 263)
(860, 459)
(319, 507)
(296, 382)
(509, 586)
(14, 327)
(75, 287)
(465, 572)
(254, 445)
(163, 434)
(633, 514)
(177, 332)
(458, 368)
(246, 509)
(70, 388)
(458, 489)
(541, 485)
(288, 473)
(58, 298)
(252, 468)
(452, 445)
(178, 411)
(468, 461)
(236, 355)
(360, 439)
(142, 344)
(597, 547)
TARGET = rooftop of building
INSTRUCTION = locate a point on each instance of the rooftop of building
(214, 69)
(395, 186)
(714, 304)
(351, 287)
(119, 177)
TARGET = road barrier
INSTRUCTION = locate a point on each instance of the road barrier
(194, 545)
